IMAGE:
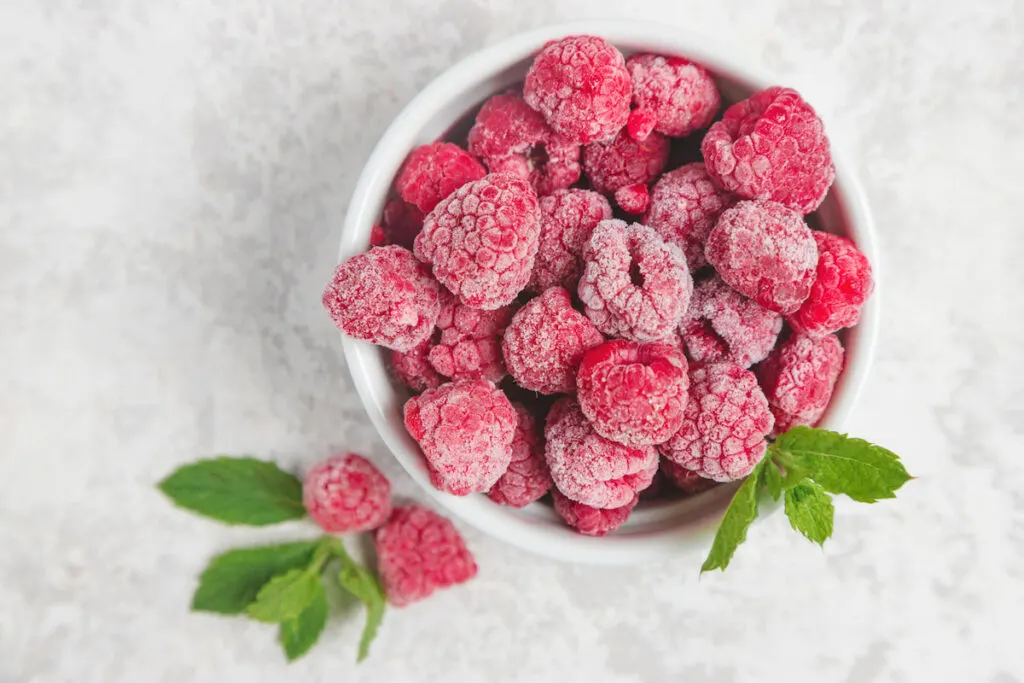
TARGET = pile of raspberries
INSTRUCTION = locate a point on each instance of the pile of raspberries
(574, 317)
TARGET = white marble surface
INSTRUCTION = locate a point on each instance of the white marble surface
(172, 181)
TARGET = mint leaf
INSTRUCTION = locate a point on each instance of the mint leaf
(361, 583)
(298, 635)
(232, 579)
(285, 596)
(773, 480)
(742, 511)
(810, 511)
(236, 491)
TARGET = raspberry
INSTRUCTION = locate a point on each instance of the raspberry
(632, 393)
(634, 285)
(671, 95)
(590, 469)
(687, 481)
(592, 521)
(842, 285)
(470, 343)
(434, 171)
(683, 208)
(766, 252)
(347, 493)
(418, 552)
(527, 478)
(465, 430)
(384, 296)
(511, 137)
(377, 236)
(633, 199)
(771, 146)
(798, 379)
(623, 161)
(545, 342)
(482, 240)
(581, 86)
(567, 217)
(413, 368)
(723, 325)
(725, 425)
(402, 222)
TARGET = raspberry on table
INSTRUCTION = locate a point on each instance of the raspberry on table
(621, 161)
(418, 552)
(581, 86)
(687, 481)
(567, 218)
(766, 252)
(346, 493)
(414, 369)
(401, 223)
(470, 342)
(671, 95)
(724, 426)
(633, 394)
(771, 146)
(384, 296)
(545, 342)
(591, 521)
(723, 325)
(634, 285)
(482, 240)
(633, 199)
(465, 430)
(434, 171)
(527, 478)
(798, 378)
(842, 284)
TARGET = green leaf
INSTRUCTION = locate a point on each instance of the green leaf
(232, 579)
(285, 596)
(361, 583)
(810, 511)
(773, 480)
(742, 511)
(236, 491)
(298, 635)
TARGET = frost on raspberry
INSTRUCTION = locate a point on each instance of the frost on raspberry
(724, 425)
(347, 493)
(567, 218)
(771, 146)
(414, 369)
(527, 478)
(482, 240)
(766, 252)
(622, 161)
(582, 88)
(470, 343)
(633, 199)
(590, 469)
(723, 325)
(671, 95)
(633, 394)
(798, 379)
(591, 521)
(401, 222)
(419, 552)
(384, 296)
(434, 171)
(634, 285)
(842, 284)
(465, 430)
(687, 481)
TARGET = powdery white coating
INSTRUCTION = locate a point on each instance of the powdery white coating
(482, 240)
(384, 296)
(622, 161)
(687, 481)
(401, 222)
(567, 218)
(798, 379)
(346, 493)
(723, 325)
(633, 199)
(470, 343)
(414, 370)
(465, 430)
(766, 252)
(590, 469)
(527, 478)
(671, 95)
(634, 285)
(841, 286)
(434, 171)
(591, 521)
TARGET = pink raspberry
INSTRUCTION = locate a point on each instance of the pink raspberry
(384, 296)
(771, 146)
(413, 368)
(798, 379)
(766, 252)
(470, 343)
(842, 285)
(723, 325)
(527, 478)
(633, 394)
(567, 217)
(434, 171)
(591, 521)
(590, 469)
(684, 207)
(418, 552)
(401, 222)
(671, 95)
(634, 285)
(465, 430)
(510, 137)
(725, 425)
(581, 86)
(622, 161)
(545, 343)
(346, 493)
(482, 240)
(633, 199)
(687, 481)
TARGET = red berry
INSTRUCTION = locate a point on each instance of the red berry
(347, 493)
(567, 217)
(687, 481)
(414, 370)
(723, 325)
(527, 478)
(798, 379)
(622, 161)
(434, 171)
(671, 95)
(377, 236)
(842, 285)
(633, 199)
(402, 222)
(591, 521)
(470, 343)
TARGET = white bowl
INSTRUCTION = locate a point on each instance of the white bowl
(655, 530)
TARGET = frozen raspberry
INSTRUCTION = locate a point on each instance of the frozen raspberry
(470, 343)
(771, 146)
(377, 236)
(766, 252)
(510, 137)
(798, 379)
(567, 217)
(683, 208)
(384, 296)
(434, 171)
(723, 325)
(482, 240)
(633, 394)
(347, 493)
(527, 478)
(633, 199)
(418, 552)
(725, 425)
(671, 95)
(842, 285)
(591, 521)
(465, 430)
(590, 469)
(634, 285)
(581, 86)
(402, 222)
(687, 481)
(414, 369)
(623, 161)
